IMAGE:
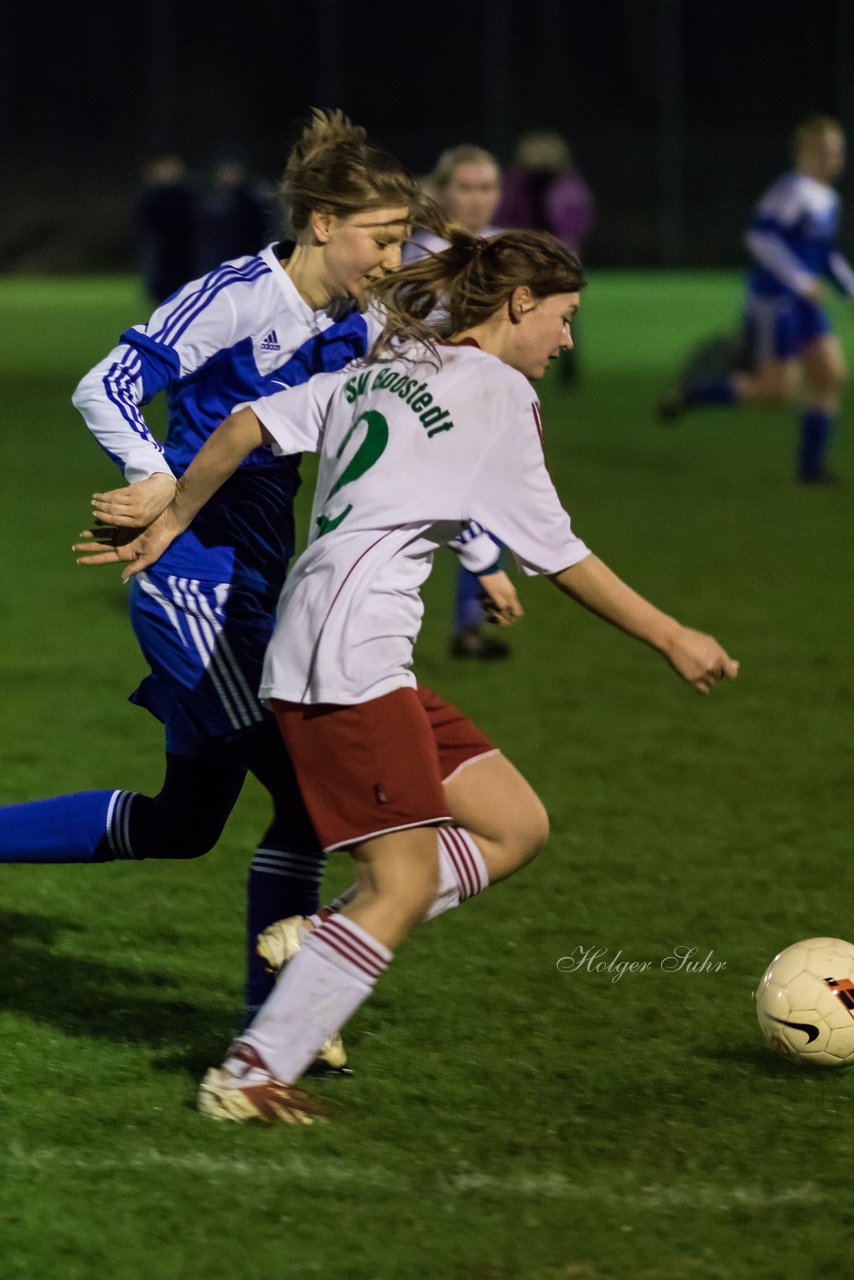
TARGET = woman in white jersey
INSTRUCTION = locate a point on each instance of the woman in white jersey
(412, 445)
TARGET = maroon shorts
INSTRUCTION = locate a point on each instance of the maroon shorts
(378, 766)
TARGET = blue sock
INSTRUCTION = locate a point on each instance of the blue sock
(709, 391)
(815, 434)
(90, 826)
(281, 884)
(467, 607)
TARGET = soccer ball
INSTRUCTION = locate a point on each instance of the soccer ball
(805, 1003)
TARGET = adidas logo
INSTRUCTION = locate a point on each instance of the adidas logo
(271, 342)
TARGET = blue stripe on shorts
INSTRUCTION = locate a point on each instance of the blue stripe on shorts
(205, 645)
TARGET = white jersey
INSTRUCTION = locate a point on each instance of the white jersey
(408, 455)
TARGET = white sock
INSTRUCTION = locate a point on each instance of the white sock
(462, 870)
(328, 979)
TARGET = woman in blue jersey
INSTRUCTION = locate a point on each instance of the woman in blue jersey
(792, 240)
(204, 616)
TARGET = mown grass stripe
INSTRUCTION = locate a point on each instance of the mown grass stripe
(323, 1172)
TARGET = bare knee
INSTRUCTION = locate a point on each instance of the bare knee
(826, 370)
(772, 383)
(533, 831)
(828, 383)
(398, 882)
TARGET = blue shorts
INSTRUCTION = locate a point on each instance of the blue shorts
(780, 328)
(205, 644)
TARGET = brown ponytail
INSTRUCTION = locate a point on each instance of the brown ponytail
(468, 282)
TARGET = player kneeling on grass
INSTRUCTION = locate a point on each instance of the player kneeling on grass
(428, 435)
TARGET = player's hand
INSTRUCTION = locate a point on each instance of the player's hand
(134, 547)
(135, 505)
(699, 659)
(499, 599)
(816, 292)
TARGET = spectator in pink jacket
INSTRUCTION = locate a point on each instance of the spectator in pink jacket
(545, 192)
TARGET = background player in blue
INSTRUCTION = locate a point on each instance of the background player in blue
(792, 239)
(203, 617)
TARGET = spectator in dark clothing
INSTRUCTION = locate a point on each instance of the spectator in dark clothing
(236, 217)
(166, 223)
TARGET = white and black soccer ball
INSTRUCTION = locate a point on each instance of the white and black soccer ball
(805, 1003)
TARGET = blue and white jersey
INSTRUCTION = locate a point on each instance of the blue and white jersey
(792, 239)
(239, 333)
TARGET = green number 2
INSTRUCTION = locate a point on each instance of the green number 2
(368, 452)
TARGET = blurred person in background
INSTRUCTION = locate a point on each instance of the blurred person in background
(166, 210)
(466, 183)
(543, 190)
(792, 239)
(235, 216)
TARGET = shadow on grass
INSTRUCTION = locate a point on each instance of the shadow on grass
(765, 1062)
(97, 1000)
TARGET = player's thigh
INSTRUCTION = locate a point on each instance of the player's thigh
(486, 794)
(398, 880)
(824, 363)
(401, 866)
(774, 378)
(492, 799)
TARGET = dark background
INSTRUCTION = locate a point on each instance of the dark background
(679, 112)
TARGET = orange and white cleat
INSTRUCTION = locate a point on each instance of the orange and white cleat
(255, 1094)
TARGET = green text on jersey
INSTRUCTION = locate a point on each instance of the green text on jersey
(433, 417)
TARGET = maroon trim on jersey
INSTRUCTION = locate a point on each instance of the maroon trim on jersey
(463, 342)
(535, 409)
(313, 659)
(538, 422)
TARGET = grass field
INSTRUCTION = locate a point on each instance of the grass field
(507, 1121)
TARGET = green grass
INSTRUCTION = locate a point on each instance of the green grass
(507, 1121)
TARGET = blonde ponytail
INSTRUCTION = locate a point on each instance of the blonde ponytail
(334, 169)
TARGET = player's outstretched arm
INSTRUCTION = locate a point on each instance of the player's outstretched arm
(696, 657)
(218, 458)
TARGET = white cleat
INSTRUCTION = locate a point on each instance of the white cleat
(255, 1094)
(280, 942)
